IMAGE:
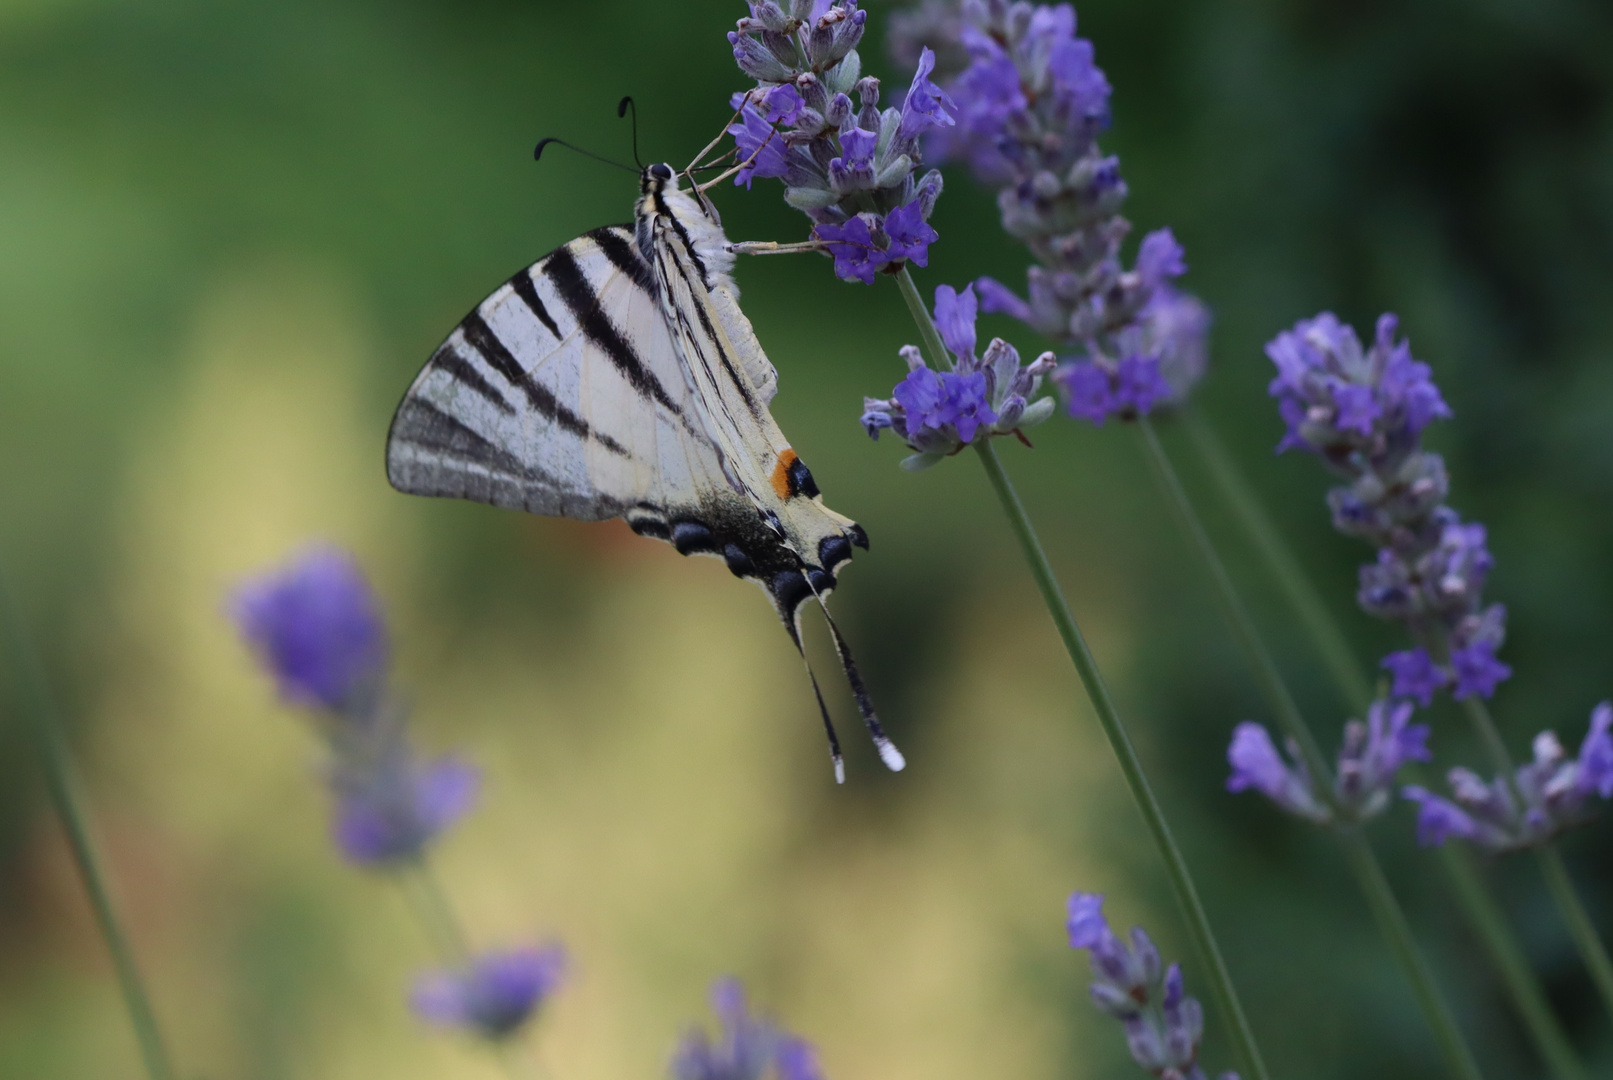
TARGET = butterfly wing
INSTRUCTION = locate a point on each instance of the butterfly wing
(560, 394)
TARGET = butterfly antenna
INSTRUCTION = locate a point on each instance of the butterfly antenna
(621, 111)
(537, 153)
(892, 757)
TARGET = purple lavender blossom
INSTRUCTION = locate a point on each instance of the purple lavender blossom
(1258, 765)
(939, 412)
(1372, 754)
(1030, 103)
(388, 812)
(1131, 983)
(1547, 796)
(1174, 327)
(1477, 670)
(1340, 398)
(1415, 675)
(849, 167)
(1363, 411)
(316, 626)
(746, 1047)
(495, 994)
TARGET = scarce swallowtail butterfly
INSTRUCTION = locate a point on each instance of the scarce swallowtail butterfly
(618, 377)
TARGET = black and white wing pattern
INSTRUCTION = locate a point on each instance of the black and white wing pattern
(617, 377)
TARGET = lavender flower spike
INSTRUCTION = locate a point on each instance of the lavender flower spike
(940, 412)
(1362, 411)
(746, 1047)
(851, 167)
(1372, 754)
(1556, 793)
(1030, 104)
(495, 994)
(1130, 983)
(316, 626)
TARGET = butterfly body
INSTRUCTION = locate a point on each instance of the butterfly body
(618, 377)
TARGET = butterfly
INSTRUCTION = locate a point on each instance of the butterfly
(618, 377)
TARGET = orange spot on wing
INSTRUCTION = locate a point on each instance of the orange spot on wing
(781, 473)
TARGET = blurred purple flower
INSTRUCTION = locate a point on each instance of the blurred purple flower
(1477, 670)
(315, 625)
(1551, 793)
(388, 812)
(1415, 675)
(1258, 765)
(495, 994)
(745, 1048)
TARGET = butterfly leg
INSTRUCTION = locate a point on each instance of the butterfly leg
(772, 247)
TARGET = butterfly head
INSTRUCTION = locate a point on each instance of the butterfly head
(657, 177)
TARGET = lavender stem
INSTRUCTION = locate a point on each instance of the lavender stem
(434, 912)
(33, 700)
(1220, 979)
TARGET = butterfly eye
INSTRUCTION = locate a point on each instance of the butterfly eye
(661, 172)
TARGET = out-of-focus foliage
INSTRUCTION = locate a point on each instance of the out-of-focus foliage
(229, 234)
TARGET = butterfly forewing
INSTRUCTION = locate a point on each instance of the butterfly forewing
(559, 394)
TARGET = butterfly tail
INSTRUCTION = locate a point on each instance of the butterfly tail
(892, 757)
(794, 627)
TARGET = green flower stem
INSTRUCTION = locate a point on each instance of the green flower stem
(1296, 585)
(1483, 913)
(1369, 873)
(1397, 932)
(434, 912)
(1580, 926)
(33, 701)
(1217, 975)
(1270, 678)
(1579, 922)
(1109, 717)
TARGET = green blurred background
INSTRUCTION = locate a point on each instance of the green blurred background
(231, 232)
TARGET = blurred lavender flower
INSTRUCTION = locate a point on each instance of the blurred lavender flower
(1373, 752)
(1130, 983)
(494, 994)
(389, 807)
(317, 628)
(1030, 104)
(1371, 755)
(1363, 411)
(849, 167)
(1550, 794)
(939, 412)
(746, 1046)
(315, 625)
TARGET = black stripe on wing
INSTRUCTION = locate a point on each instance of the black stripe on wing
(449, 360)
(420, 425)
(486, 341)
(566, 276)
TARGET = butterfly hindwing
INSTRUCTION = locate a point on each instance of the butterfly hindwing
(559, 394)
